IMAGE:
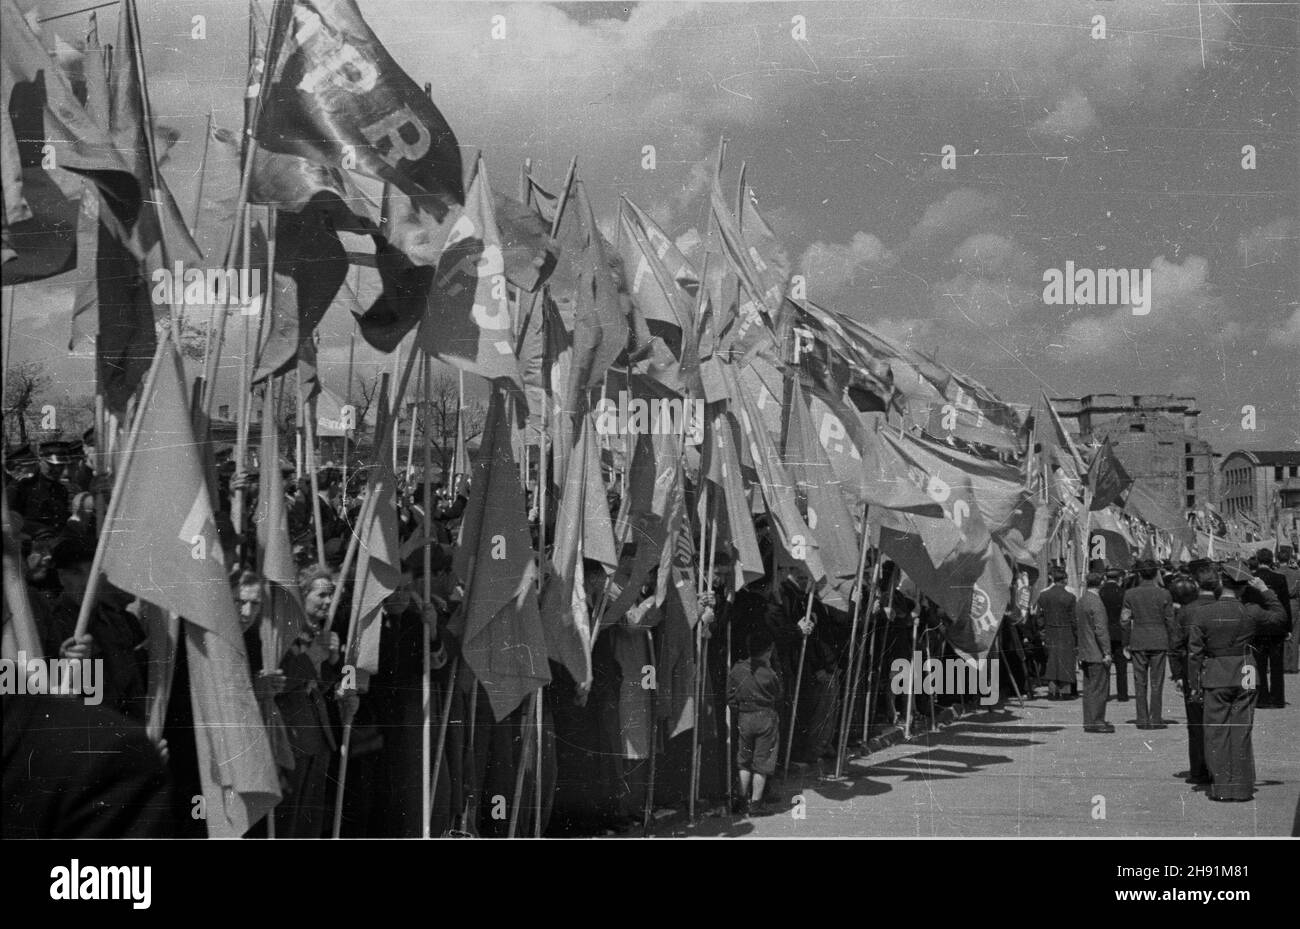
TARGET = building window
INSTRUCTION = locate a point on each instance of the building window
(1295, 471)
(1191, 501)
(223, 411)
(1187, 448)
(1189, 464)
(1277, 473)
(1191, 482)
(1137, 427)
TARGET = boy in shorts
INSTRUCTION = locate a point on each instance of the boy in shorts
(753, 691)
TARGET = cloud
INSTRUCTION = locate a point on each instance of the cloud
(990, 255)
(833, 268)
(1072, 119)
(959, 212)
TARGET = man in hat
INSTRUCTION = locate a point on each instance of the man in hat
(1146, 619)
(41, 499)
(1205, 576)
(1056, 623)
(1221, 671)
(1112, 597)
(1272, 694)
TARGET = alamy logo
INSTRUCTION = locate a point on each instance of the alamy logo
(635, 416)
(1098, 287)
(950, 676)
(103, 882)
(181, 286)
(83, 677)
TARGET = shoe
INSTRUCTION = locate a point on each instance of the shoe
(1198, 781)
(1104, 727)
(1121, 699)
(1158, 726)
(759, 809)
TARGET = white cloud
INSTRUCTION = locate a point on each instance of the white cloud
(1072, 119)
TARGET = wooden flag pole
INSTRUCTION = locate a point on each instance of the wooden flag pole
(874, 667)
(798, 684)
(911, 678)
(647, 818)
(307, 416)
(442, 730)
(347, 402)
(119, 483)
(851, 668)
(537, 774)
(698, 684)
(525, 750)
(430, 616)
(242, 411)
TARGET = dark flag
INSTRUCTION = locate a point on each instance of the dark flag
(1107, 479)
(335, 96)
(38, 108)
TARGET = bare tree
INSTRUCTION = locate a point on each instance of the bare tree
(439, 418)
(24, 384)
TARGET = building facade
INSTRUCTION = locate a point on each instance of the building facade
(1260, 486)
(1155, 438)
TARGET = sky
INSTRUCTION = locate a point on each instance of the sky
(1123, 152)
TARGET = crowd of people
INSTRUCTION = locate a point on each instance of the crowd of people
(774, 673)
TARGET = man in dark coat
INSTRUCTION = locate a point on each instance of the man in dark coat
(1146, 620)
(1221, 666)
(1207, 582)
(1056, 622)
(1112, 598)
(1272, 693)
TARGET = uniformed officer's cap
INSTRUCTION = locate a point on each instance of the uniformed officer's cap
(58, 452)
(1146, 564)
(1199, 564)
(19, 454)
(1234, 572)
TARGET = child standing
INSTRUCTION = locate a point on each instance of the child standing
(753, 692)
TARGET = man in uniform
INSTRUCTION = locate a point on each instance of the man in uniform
(1092, 639)
(1112, 597)
(1056, 622)
(1272, 694)
(1206, 579)
(1221, 669)
(1146, 619)
(41, 499)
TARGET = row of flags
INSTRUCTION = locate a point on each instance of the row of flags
(812, 423)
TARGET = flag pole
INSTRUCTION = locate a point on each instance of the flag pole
(647, 817)
(852, 666)
(525, 750)
(245, 383)
(306, 417)
(874, 667)
(430, 617)
(911, 678)
(151, 148)
(119, 483)
(698, 684)
(798, 682)
(347, 402)
(537, 778)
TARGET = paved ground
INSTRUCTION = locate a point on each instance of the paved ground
(1035, 772)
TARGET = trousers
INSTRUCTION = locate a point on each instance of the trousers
(1149, 685)
(1229, 752)
(1096, 690)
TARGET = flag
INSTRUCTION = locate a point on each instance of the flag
(162, 546)
(600, 325)
(833, 363)
(379, 563)
(1117, 544)
(798, 541)
(721, 467)
(824, 504)
(272, 521)
(1062, 464)
(38, 108)
(972, 583)
(660, 282)
(582, 531)
(336, 96)
(1107, 479)
(160, 230)
(499, 625)
(744, 325)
